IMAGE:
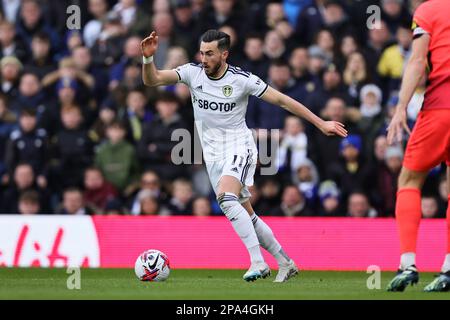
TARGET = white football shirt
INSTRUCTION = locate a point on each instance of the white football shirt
(220, 106)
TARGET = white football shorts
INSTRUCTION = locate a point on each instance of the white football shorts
(242, 166)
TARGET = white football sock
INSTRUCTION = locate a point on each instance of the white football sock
(446, 265)
(407, 259)
(242, 224)
(268, 241)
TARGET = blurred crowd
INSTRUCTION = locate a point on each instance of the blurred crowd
(80, 134)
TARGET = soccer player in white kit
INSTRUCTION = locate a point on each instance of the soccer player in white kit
(219, 95)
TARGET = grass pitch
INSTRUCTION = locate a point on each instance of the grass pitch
(22, 283)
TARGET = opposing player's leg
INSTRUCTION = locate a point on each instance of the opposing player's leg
(287, 268)
(228, 191)
(427, 147)
(442, 282)
(408, 213)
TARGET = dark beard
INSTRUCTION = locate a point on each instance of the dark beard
(213, 73)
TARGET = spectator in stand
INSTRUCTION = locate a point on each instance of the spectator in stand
(285, 30)
(132, 17)
(29, 203)
(155, 146)
(149, 204)
(50, 120)
(182, 198)
(294, 145)
(91, 32)
(274, 14)
(163, 25)
(98, 193)
(430, 208)
(176, 56)
(73, 203)
(10, 43)
(201, 207)
(82, 60)
(31, 96)
(330, 203)
(307, 180)
(326, 42)
(41, 61)
(185, 21)
(131, 55)
(309, 21)
(359, 206)
(136, 115)
(72, 150)
(269, 196)
(9, 75)
(23, 180)
(335, 18)
(329, 86)
(28, 144)
(379, 149)
(107, 49)
(220, 13)
(387, 176)
(274, 46)
(68, 69)
(379, 38)
(106, 116)
(351, 172)
(298, 62)
(348, 45)
(117, 158)
(293, 204)
(263, 115)
(394, 13)
(254, 60)
(324, 151)
(372, 118)
(151, 182)
(9, 10)
(356, 75)
(32, 21)
(393, 59)
(318, 61)
(8, 124)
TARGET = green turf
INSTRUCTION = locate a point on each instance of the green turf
(18, 283)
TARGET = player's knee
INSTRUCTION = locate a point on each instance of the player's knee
(227, 201)
(411, 179)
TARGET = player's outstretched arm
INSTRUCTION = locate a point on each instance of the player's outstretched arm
(414, 71)
(150, 75)
(329, 128)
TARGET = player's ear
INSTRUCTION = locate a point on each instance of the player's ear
(225, 54)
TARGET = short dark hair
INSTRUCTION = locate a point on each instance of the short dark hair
(42, 36)
(73, 189)
(168, 97)
(117, 124)
(30, 196)
(279, 62)
(28, 111)
(222, 38)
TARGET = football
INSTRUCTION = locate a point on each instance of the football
(152, 265)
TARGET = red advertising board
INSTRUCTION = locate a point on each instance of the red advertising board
(197, 242)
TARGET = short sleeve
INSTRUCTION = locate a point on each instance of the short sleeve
(422, 20)
(255, 86)
(184, 73)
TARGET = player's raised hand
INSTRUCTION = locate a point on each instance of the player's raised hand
(396, 127)
(149, 45)
(331, 128)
